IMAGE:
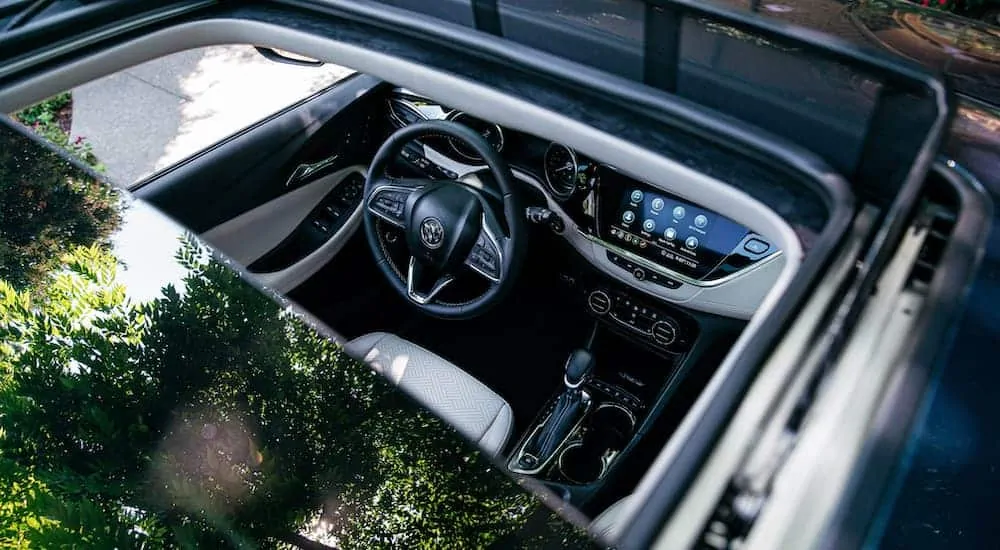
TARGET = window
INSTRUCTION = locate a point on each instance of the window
(136, 122)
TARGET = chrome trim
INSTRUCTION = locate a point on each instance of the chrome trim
(673, 326)
(562, 472)
(400, 123)
(453, 117)
(431, 232)
(515, 458)
(496, 246)
(383, 187)
(582, 381)
(624, 409)
(304, 171)
(673, 274)
(416, 296)
(609, 456)
(545, 170)
(530, 179)
(591, 305)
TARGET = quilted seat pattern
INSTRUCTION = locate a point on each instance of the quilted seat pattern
(473, 409)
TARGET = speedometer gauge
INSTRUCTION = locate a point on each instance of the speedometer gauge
(561, 170)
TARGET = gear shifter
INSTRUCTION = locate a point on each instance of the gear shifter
(568, 408)
(578, 368)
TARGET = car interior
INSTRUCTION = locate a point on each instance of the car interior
(578, 287)
(557, 310)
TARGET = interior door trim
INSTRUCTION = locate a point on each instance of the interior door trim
(251, 235)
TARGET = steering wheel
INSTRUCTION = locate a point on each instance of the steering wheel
(449, 226)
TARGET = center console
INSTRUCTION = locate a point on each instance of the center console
(583, 429)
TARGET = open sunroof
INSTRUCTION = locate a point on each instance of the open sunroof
(874, 119)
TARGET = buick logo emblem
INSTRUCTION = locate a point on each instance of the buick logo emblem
(431, 232)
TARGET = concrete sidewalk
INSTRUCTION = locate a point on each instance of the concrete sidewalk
(150, 116)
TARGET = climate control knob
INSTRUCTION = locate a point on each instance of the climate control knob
(665, 332)
(599, 302)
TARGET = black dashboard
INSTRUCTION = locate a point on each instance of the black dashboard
(636, 219)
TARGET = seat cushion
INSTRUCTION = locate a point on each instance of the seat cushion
(473, 409)
(608, 525)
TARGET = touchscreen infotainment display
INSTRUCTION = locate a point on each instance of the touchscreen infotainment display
(665, 229)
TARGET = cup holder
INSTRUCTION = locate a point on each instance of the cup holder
(612, 425)
(608, 430)
(580, 464)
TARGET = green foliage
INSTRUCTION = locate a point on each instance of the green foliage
(45, 112)
(211, 417)
(44, 213)
(50, 119)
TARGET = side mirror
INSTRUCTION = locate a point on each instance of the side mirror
(281, 56)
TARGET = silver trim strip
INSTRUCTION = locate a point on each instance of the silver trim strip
(304, 171)
(671, 273)
(460, 168)
(609, 456)
(516, 457)
(622, 408)
(548, 180)
(421, 299)
(455, 115)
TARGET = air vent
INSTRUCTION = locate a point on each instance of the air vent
(939, 227)
(665, 332)
(599, 302)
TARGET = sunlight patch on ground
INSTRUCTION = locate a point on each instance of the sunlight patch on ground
(232, 87)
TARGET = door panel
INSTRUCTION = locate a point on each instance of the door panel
(256, 165)
(251, 236)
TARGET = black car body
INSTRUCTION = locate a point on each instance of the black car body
(211, 402)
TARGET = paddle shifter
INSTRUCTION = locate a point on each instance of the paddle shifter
(567, 411)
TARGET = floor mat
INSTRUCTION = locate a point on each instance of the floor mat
(518, 349)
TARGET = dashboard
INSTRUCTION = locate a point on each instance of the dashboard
(637, 231)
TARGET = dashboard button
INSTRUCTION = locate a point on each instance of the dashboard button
(639, 274)
(691, 242)
(636, 196)
(321, 226)
(756, 246)
(664, 281)
(657, 204)
(628, 216)
(679, 212)
(649, 226)
(670, 234)
(700, 221)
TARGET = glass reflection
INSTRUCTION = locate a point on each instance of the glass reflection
(151, 397)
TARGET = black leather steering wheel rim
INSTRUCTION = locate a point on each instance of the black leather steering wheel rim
(511, 245)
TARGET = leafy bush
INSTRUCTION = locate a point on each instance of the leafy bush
(50, 119)
(45, 212)
(213, 431)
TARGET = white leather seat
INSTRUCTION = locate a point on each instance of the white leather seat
(473, 409)
(608, 525)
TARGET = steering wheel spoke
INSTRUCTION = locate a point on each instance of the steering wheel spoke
(486, 257)
(388, 197)
(415, 276)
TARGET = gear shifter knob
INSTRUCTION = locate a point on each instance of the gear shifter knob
(578, 368)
